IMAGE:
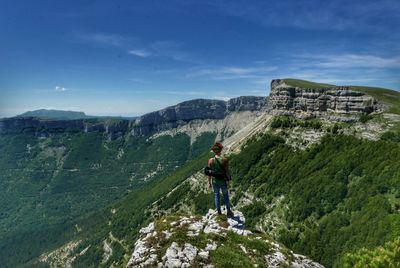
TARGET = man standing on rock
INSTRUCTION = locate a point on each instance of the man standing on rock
(219, 165)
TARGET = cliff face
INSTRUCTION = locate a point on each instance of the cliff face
(308, 102)
(170, 117)
(180, 114)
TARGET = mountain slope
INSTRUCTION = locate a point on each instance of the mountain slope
(276, 202)
(124, 219)
(58, 171)
(304, 183)
(335, 197)
(53, 181)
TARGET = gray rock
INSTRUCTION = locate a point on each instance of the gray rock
(204, 254)
(148, 229)
(311, 102)
(187, 255)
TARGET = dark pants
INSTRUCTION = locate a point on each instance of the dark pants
(224, 188)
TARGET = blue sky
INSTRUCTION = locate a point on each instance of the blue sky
(131, 57)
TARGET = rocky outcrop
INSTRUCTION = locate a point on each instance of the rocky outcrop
(334, 102)
(195, 241)
(199, 109)
(232, 123)
(246, 103)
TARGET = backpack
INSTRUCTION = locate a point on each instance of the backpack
(217, 174)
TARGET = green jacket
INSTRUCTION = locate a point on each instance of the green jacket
(219, 168)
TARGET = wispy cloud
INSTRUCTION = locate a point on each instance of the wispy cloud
(344, 69)
(353, 61)
(232, 72)
(60, 89)
(314, 14)
(154, 101)
(172, 49)
(224, 98)
(143, 53)
(187, 93)
(105, 39)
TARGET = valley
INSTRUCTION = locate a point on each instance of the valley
(324, 183)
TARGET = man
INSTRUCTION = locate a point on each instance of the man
(219, 164)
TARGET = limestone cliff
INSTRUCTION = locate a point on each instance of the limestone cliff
(334, 102)
(182, 113)
(165, 119)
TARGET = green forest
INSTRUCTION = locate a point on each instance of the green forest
(51, 183)
(336, 201)
(341, 194)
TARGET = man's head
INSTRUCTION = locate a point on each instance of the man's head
(217, 148)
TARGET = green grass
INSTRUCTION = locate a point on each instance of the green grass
(305, 84)
(385, 256)
(230, 253)
(386, 96)
(291, 122)
(225, 257)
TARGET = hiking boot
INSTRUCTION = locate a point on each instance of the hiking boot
(219, 212)
(229, 214)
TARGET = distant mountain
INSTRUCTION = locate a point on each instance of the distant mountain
(55, 114)
(66, 115)
(175, 116)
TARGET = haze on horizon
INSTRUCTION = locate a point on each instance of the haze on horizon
(126, 58)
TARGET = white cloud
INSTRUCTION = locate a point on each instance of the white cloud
(60, 89)
(341, 69)
(172, 49)
(188, 93)
(354, 61)
(140, 53)
(106, 39)
(224, 98)
(232, 72)
(154, 101)
(313, 14)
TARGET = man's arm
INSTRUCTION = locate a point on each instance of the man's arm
(209, 177)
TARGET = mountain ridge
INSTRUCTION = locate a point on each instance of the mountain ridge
(184, 190)
(52, 114)
(167, 118)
